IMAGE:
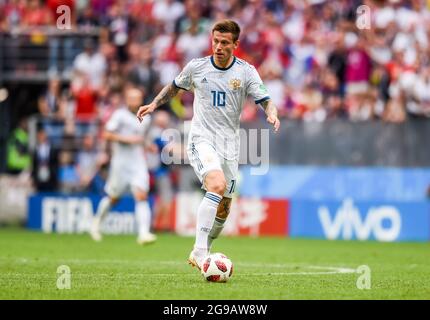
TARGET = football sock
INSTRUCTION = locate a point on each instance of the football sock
(143, 217)
(217, 227)
(102, 211)
(205, 220)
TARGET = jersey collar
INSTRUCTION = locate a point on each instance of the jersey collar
(219, 68)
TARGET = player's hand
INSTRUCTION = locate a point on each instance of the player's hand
(153, 148)
(274, 121)
(144, 110)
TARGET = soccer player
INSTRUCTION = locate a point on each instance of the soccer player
(128, 168)
(221, 83)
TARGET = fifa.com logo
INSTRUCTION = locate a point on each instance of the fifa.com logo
(252, 144)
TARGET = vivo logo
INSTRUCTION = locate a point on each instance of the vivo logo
(347, 222)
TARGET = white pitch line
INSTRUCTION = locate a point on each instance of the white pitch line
(171, 262)
(137, 275)
(329, 269)
(337, 269)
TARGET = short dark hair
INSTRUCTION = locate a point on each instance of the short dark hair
(225, 26)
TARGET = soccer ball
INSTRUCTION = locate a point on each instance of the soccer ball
(217, 267)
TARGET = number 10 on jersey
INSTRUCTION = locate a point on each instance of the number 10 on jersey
(218, 98)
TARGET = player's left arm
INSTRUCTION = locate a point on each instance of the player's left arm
(271, 113)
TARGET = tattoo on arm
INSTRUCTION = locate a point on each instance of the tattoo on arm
(168, 92)
(269, 108)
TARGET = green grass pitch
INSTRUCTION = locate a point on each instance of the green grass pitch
(264, 268)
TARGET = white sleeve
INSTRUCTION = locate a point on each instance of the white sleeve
(113, 123)
(185, 79)
(255, 86)
(146, 122)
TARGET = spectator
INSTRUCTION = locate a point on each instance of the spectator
(337, 62)
(115, 79)
(193, 15)
(11, 15)
(91, 64)
(36, 14)
(358, 67)
(394, 112)
(45, 164)
(192, 44)
(272, 76)
(119, 26)
(419, 105)
(86, 97)
(50, 103)
(142, 74)
(18, 154)
(68, 177)
(87, 19)
(175, 8)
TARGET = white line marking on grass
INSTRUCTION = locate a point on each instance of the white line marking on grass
(331, 270)
(168, 262)
(325, 270)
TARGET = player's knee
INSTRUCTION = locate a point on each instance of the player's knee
(140, 196)
(215, 182)
(218, 186)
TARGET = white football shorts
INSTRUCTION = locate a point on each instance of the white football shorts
(127, 178)
(203, 158)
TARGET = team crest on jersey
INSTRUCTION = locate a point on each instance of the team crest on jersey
(234, 84)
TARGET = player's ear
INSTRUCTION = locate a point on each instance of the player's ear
(236, 44)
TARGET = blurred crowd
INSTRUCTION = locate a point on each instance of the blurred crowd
(316, 63)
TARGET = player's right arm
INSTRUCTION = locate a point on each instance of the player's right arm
(167, 93)
(126, 139)
(182, 81)
(257, 89)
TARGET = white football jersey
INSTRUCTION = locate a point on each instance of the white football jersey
(124, 122)
(219, 95)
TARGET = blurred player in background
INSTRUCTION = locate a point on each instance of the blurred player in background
(128, 168)
(221, 83)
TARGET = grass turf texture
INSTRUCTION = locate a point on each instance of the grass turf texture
(264, 268)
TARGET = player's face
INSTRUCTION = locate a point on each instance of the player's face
(133, 99)
(223, 45)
